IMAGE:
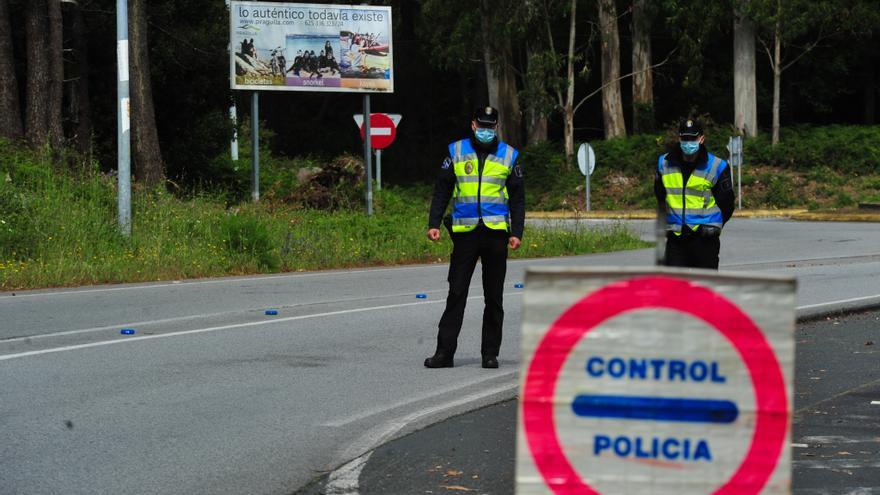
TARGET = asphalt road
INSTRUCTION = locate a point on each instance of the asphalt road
(211, 395)
(836, 446)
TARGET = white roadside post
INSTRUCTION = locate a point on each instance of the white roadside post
(735, 147)
(587, 163)
(655, 380)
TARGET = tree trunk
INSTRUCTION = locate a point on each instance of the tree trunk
(37, 93)
(10, 108)
(491, 77)
(145, 151)
(79, 112)
(56, 74)
(508, 105)
(568, 106)
(745, 101)
(536, 120)
(612, 104)
(643, 78)
(777, 80)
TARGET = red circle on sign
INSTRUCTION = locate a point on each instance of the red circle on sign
(382, 131)
(647, 293)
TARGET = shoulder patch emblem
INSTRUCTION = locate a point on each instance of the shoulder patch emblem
(446, 163)
(468, 167)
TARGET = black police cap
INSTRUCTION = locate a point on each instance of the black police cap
(690, 128)
(486, 116)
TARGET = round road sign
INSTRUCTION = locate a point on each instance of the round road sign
(382, 131)
(666, 425)
(586, 159)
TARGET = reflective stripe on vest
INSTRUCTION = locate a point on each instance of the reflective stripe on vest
(480, 195)
(693, 204)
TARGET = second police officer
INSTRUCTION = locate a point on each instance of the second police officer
(694, 189)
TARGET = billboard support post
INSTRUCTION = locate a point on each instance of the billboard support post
(255, 146)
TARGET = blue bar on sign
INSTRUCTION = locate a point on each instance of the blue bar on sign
(655, 408)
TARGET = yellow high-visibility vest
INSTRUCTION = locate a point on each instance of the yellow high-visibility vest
(481, 196)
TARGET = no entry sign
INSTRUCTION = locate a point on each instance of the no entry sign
(665, 381)
(383, 129)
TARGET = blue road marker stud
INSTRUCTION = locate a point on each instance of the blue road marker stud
(518, 286)
(127, 331)
(271, 312)
(421, 296)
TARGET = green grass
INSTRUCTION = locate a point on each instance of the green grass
(59, 228)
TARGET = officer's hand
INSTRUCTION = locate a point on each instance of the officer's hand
(434, 234)
(514, 242)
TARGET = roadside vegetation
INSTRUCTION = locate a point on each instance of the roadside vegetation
(59, 228)
(817, 168)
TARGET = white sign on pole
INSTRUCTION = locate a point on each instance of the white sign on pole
(587, 163)
(586, 159)
(655, 380)
(310, 47)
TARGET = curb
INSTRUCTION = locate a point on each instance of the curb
(793, 214)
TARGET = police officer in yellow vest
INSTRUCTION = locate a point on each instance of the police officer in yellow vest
(485, 183)
(695, 189)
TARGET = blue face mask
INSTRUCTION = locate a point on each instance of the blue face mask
(690, 147)
(484, 136)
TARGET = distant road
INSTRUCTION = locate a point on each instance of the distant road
(212, 396)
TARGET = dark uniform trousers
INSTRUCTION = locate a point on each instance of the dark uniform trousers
(490, 246)
(692, 251)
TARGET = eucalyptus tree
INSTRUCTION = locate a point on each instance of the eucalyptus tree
(10, 107)
(789, 30)
(612, 103)
(146, 153)
(36, 113)
(643, 12)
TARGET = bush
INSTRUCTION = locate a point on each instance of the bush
(829, 156)
(245, 235)
(847, 149)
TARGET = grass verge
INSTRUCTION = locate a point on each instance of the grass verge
(58, 228)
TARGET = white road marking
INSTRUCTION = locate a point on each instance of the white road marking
(799, 445)
(344, 481)
(194, 317)
(348, 479)
(373, 412)
(842, 301)
(212, 329)
(179, 283)
(875, 402)
(221, 327)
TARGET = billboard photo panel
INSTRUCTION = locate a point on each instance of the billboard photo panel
(310, 47)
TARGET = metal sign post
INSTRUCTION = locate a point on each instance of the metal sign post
(368, 155)
(255, 145)
(587, 163)
(378, 169)
(123, 119)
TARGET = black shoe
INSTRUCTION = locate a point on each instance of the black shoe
(438, 361)
(490, 362)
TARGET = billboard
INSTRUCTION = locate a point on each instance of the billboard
(310, 47)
